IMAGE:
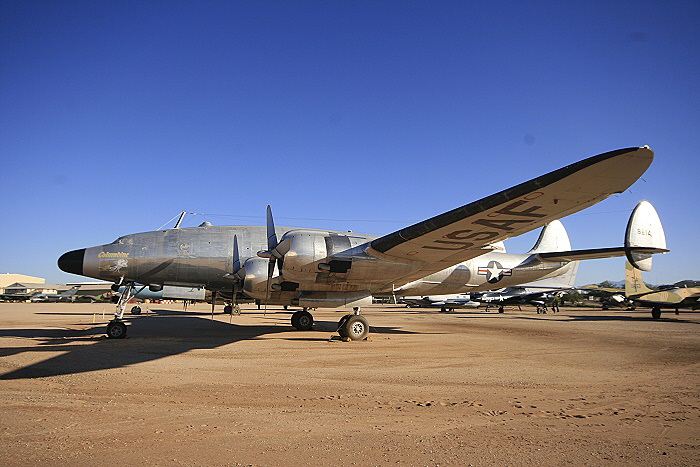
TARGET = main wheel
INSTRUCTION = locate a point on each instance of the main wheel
(302, 320)
(341, 325)
(116, 330)
(355, 327)
(656, 312)
(136, 310)
(501, 309)
(228, 309)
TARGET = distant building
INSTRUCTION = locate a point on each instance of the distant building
(8, 279)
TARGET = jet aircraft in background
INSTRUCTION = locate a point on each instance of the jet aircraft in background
(674, 298)
(312, 268)
(444, 302)
(167, 292)
(613, 297)
(66, 296)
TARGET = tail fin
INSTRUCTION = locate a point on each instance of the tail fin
(553, 237)
(634, 285)
(70, 292)
(562, 281)
(644, 230)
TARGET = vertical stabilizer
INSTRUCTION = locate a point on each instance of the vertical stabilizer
(644, 229)
(634, 285)
(553, 237)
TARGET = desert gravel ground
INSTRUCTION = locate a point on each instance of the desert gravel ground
(582, 386)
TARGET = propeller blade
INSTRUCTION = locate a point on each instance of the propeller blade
(271, 234)
(236, 256)
(240, 274)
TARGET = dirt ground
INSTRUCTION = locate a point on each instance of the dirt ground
(579, 387)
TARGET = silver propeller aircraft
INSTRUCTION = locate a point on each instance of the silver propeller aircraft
(328, 269)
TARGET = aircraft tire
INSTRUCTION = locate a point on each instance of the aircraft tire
(228, 309)
(302, 320)
(341, 325)
(355, 327)
(116, 330)
(136, 310)
(656, 312)
(501, 309)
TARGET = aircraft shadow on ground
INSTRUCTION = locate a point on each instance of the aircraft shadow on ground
(165, 333)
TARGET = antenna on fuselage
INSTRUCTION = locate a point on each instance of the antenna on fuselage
(179, 220)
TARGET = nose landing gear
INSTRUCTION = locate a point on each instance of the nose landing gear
(116, 329)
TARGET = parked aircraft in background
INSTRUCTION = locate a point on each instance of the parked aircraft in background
(444, 302)
(55, 297)
(674, 298)
(537, 293)
(167, 292)
(613, 298)
(323, 268)
(16, 297)
(517, 295)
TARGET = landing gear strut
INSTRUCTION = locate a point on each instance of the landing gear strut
(116, 329)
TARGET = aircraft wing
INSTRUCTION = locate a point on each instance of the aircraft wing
(467, 231)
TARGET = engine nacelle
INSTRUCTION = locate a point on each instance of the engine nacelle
(308, 249)
(255, 282)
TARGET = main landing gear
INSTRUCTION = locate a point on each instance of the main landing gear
(232, 309)
(656, 312)
(354, 326)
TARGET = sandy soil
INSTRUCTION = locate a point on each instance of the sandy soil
(579, 387)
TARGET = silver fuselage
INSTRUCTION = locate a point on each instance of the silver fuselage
(203, 256)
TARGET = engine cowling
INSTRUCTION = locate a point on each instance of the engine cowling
(307, 249)
(255, 282)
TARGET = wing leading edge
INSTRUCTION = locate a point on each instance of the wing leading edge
(467, 231)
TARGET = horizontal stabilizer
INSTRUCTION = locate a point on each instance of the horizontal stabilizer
(598, 253)
(644, 229)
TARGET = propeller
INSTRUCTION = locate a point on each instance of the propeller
(275, 253)
(237, 272)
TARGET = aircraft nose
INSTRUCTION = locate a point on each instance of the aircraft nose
(72, 261)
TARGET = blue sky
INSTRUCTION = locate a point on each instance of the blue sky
(357, 115)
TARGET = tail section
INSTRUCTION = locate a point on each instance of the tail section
(634, 285)
(644, 237)
(553, 237)
(644, 230)
(70, 292)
